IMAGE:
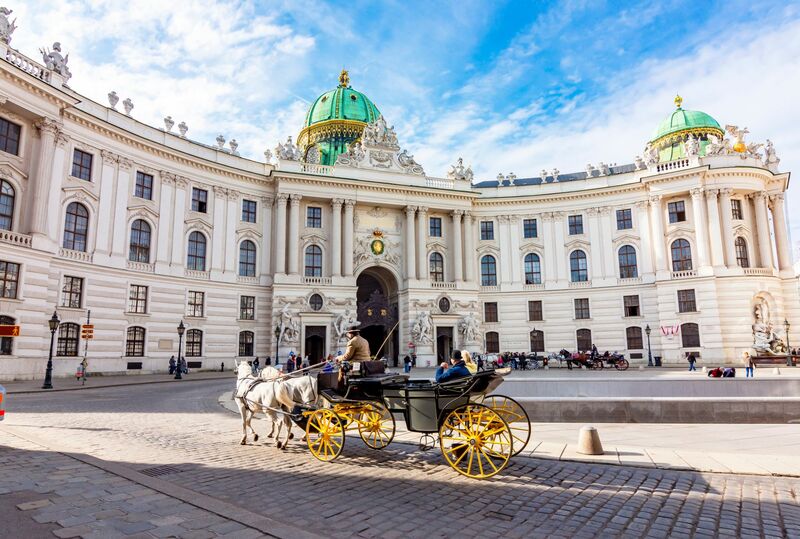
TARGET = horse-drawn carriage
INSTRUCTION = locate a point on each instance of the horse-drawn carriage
(478, 433)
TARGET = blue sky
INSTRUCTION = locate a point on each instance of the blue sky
(510, 86)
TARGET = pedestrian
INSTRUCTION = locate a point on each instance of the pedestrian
(290, 362)
(80, 374)
(268, 360)
(749, 365)
(692, 359)
(413, 359)
(172, 365)
(256, 366)
(480, 362)
(182, 366)
(407, 364)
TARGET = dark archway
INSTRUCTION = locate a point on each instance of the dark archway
(315, 344)
(376, 302)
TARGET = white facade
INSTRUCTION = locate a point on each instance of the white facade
(355, 202)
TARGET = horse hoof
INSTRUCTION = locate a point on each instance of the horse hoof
(269, 435)
(255, 437)
(278, 445)
(291, 436)
(284, 447)
(243, 442)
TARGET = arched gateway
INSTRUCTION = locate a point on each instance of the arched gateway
(376, 302)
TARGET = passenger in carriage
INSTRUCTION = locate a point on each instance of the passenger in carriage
(469, 363)
(457, 370)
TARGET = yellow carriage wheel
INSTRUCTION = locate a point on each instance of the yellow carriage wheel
(325, 434)
(476, 441)
(376, 426)
(514, 414)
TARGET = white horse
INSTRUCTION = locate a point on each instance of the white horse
(270, 397)
(302, 390)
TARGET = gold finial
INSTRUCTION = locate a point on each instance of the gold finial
(678, 101)
(344, 79)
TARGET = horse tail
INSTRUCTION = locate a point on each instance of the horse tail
(283, 394)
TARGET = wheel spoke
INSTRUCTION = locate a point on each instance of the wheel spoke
(489, 461)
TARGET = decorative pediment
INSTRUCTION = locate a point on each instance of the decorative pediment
(741, 229)
(142, 210)
(532, 245)
(248, 232)
(79, 193)
(378, 149)
(199, 224)
(436, 245)
(680, 231)
(488, 249)
(313, 237)
(578, 243)
(10, 170)
(626, 238)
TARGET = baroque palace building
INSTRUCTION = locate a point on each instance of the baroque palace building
(144, 228)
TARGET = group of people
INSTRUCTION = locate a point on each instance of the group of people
(175, 365)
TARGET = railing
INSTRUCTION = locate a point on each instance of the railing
(758, 271)
(74, 255)
(312, 168)
(246, 280)
(490, 288)
(580, 284)
(195, 274)
(317, 280)
(685, 274)
(672, 165)
(443, 284)
(15, 238)
(629, 280)
(141, 266)
(27, 65)
(537, 286)
(439, 183)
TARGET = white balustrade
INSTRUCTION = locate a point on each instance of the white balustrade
(672, 165)
(758, 271)
(141, 266)
(317, 280)
(195, 274)
(443, 284)
(580, 284)
(312, 168)
(439, 183)
(684, 274)
(74, 255)
(492, 288)
(529, 287)
(246, 280)
(15, 238)
(629, 280)
(27, 65)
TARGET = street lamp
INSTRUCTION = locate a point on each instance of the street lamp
(48, 376)
(181, 329)
(786, 326)
(649, 350)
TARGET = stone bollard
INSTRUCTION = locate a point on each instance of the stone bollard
(589, 441)
(705, 370)
(641, 367)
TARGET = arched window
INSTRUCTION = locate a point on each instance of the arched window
(196, 259)
(584, 337)
(488, 271)
(537, 340)
(436, 267)
(194, 343)
(6, 343)
(690, 335)
(633, 336)
(140, 242)
(492, 342)
(246, 339)
(577, 266)
(7, 196)
(134, 342)
(67, 339)
(313, 261)
(247, 259)
(627, 262)
(533, 269)
(741, 253)
(681, 255)
(76, 227)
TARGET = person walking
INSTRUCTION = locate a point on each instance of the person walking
(182, 366)
(692, 359)
(749, 365)
(172, 365)
(256, 366)
(407, 364)
(480, 362)
(80, 375)
(290, 363)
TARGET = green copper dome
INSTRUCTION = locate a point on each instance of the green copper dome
(673, 131)
(334, 120)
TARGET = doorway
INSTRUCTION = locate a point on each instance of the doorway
(315, 344)
(376, 303)
(444, 343)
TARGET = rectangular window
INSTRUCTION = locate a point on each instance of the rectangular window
(9, 137)
(435, 227)
(736, 209)
(624, 219)
(313, 217)
(82, 165)
(9, 279)
(535, 311)
(686, 301)
(575, 224)
(144, 186)
(633, 336)
(581, 308)
(529, 229)
(196, 304)
(631, 305)
(493, 342)
(677, 211)
(490, 312)
(137, 299)
(247, 308)
(199, 200)
(249, 211)
(487, 230)
(72, 292)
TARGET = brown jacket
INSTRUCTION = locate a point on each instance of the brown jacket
(357, 349)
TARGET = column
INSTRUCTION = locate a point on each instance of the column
(714, 227)
(646, 241)
(549, 239)
(178, 220)
(280, 233)
(506, 256)
(596, 253)
(48, 129)
(348, 237)
(750, 218)
(294, 234)
(266, 234)
(422, 247)
(561, 267)
(232, 216)
(469, 248)
(610, 259)
(54, 191)
(218, 230)
(700, 226)
(105, 211)
(514, 240)
(657, 223)
(166, 197)
(458, 255)
(762, 226)
(336, 237)
(411, 263)
(727, 227)
(781, 235)
(120, 229)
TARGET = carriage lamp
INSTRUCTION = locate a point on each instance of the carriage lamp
(787, 325)
(181, 330)
(48, 376)
(649, 350)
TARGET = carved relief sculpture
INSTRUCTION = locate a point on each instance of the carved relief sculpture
(765, 341)
(469, 327)
(288, 327)
(422, 329)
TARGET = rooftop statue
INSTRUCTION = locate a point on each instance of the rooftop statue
(379, 134)
(288, 151)
(739, 145)
(717, 146)
(459, 172)
(691, 147)
(770, 157)
(54, 61)
(651, 155)
(6, 27)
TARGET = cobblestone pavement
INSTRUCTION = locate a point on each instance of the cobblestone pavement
(179, 433)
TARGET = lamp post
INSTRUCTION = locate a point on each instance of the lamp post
(48, 375)
(649, 350)
(786, 326)
(181, 329)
